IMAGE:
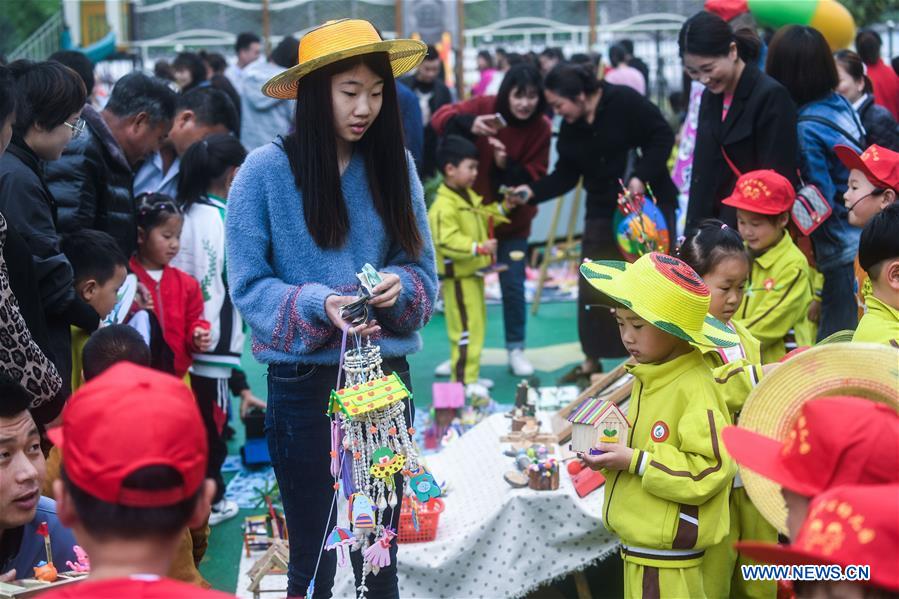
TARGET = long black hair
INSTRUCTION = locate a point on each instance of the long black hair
(710, 243)
(707, 34)
(569, 81)
(315, 168)
(522, 77)
(204, 162)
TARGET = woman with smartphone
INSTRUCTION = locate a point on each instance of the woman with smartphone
(512, 135)
(601, 124)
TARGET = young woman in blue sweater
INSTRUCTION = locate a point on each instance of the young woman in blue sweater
(305, 213)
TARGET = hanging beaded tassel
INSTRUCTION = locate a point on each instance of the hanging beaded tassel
(377, 441)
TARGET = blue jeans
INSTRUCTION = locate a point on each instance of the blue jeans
(512, 284)
(299, 441)
(839, 310)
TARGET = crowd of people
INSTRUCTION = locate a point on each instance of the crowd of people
(206, 188)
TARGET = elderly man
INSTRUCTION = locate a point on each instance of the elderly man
(92, 182)
(22, 509)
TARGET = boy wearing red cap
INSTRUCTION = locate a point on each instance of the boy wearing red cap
(133, 477)
(873, 185)
(667, 482)
(778, 292)
(878, 254)
(873, 181)
(834, 441)
(846, 526)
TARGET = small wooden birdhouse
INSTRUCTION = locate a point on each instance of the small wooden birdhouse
(597, 421)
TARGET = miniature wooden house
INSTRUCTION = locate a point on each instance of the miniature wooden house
(273, 561)
(597, 421)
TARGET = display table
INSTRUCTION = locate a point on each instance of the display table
(493, 541)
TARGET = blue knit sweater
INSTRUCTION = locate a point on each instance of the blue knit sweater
(280, 278)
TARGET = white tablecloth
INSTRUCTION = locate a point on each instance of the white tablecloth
(495, 541)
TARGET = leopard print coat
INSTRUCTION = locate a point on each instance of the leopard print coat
(20, 357)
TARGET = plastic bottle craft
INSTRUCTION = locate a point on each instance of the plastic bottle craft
(371, 445)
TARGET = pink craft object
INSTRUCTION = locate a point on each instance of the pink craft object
(448, 395)
(378, 555)
(84, 562)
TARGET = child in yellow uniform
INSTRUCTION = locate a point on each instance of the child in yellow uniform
(666, 494)
(878, 254)
(459, 224)
(717, 253)
(778, 293)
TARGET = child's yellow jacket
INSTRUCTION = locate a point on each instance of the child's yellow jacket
(458, 226)
(777, 297)
(671, 503)
(736, 369)
(880, 324)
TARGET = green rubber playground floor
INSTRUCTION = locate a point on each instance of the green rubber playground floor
(552, 347)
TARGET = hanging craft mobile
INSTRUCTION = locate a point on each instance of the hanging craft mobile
(371, 443)
(639, 225)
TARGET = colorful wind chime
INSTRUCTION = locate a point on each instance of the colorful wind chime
(371, 447)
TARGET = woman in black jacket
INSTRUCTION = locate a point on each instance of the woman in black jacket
(602, 124)
(747, 120)
(48, 110)
(880, 126)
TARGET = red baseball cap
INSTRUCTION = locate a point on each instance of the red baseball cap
(848, 525)
(727, 9)
(834, 441)
(128, 418)
(880, 165)
(762, 192)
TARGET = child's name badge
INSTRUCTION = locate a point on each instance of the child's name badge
(732, 354)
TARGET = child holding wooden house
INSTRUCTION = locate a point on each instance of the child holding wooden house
(667, 483)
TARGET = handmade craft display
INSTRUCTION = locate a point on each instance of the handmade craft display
(639, 225)
(371, 445)
(597, 421)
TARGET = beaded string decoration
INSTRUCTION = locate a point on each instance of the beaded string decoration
(371, 445)
(377, 440)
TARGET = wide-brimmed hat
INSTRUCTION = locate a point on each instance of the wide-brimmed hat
(666, 292)
(863, 370)
(833, 442)
(336, 40)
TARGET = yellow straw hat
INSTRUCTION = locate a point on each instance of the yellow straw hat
(336, 40)
(666, 292)
(865, 370)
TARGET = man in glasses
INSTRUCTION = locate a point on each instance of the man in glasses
(92, 182)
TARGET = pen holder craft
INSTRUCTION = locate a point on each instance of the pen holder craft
(544, 475)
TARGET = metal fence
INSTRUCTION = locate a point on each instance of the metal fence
(163, 27)
(43, 42)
